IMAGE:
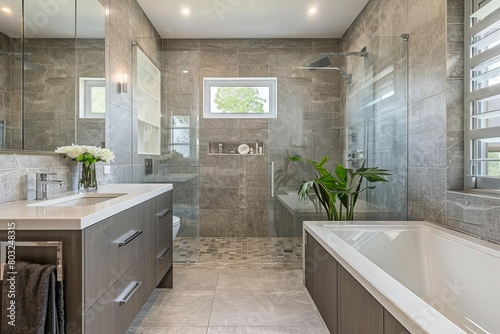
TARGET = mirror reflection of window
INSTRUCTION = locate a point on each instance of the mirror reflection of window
(181, 135)
(92, 97)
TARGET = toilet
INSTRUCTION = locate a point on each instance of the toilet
(176, 225)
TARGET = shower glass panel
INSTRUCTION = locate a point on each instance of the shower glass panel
(178, 159)
(309, 124)
(376, 122)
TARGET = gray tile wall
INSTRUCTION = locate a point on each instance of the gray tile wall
(234, 189)
(10, 106)
(435, 131)
(125, 24)
(49, 96)
(4, 85)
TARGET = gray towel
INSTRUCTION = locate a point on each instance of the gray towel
(38, 300)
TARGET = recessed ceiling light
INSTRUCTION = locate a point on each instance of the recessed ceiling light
(6, 10)
(313, 10)
(185, 11)
(185, 71)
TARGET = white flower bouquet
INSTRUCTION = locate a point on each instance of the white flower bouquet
(86, 154)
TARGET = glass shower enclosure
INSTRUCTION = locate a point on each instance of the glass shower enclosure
(356, 114)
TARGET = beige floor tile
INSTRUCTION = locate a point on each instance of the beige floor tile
(263, 308)
(267, 330)
(261, 279)
(195, 279)
(168, 330)
(180, 308)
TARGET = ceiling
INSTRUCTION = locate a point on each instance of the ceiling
(252, 18)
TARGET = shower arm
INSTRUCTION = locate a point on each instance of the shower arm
(361, 53)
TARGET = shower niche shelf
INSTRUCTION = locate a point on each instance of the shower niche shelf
(231, 148)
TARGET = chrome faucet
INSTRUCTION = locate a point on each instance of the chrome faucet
(41, 184)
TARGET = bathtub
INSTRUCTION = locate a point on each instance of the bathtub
(432, 279)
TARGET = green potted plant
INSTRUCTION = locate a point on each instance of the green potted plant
(345, 185)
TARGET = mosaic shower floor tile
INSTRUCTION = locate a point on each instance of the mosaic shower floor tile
(229, 252)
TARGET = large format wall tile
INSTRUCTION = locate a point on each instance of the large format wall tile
(427, 194)
(475, 214)
(427, 61)
(234, 189)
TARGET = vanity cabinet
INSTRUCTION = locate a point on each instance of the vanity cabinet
(126, 257)
(164, 244)
(114, 245)
(111, 267)
(344, 304)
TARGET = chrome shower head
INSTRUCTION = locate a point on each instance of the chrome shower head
(347, 77)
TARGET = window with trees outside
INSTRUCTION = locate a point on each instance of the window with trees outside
(239, 97)
(92, 97)
(482, 94)
(180, 140)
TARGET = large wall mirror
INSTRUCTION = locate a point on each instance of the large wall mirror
(52, 86)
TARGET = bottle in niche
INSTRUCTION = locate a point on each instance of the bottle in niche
(260, 150)
(220, 148)
(251, 150)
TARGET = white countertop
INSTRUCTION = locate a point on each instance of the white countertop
(29, 217)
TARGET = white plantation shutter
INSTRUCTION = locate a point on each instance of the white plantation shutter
(482, 94)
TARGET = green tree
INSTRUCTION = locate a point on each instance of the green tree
(239, 100)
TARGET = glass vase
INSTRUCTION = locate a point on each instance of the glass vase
(88, 177)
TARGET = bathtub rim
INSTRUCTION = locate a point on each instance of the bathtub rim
(401, 302)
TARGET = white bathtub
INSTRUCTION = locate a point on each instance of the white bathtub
(433, 280)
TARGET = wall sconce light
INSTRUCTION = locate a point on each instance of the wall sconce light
(123, 84)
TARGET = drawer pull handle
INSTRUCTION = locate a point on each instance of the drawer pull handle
(129, 239)
(132, 288)
(162, 213)
(164, 254)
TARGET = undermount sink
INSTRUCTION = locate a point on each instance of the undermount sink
(83, 199)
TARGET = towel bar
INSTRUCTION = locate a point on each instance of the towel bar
(58, 244)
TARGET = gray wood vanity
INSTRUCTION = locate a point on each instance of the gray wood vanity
(111, 266)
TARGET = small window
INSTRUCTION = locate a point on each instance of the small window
(92, 97)
(181, 135)
(239, 97)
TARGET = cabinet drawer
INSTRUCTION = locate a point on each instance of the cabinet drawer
(163, 205)
(111, 247)
(163, 223)
(114, 312)
(164, 256)
(163, 201)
